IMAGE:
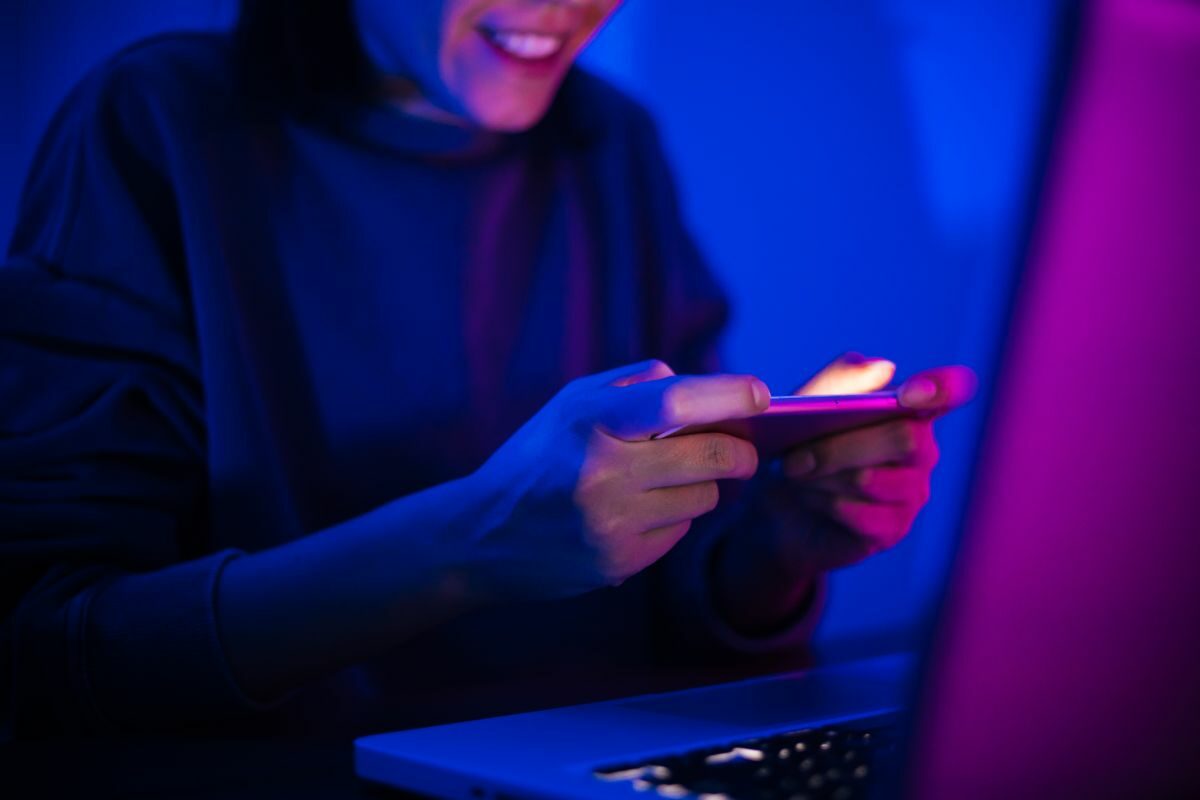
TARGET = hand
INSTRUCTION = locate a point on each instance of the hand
(581, 497)
(871, 482)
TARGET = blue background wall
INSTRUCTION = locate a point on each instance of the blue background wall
(856, 172)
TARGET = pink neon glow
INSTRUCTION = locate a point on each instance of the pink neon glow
(1077, 674)
(875, 401)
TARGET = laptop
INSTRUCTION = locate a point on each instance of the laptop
(1065, 658)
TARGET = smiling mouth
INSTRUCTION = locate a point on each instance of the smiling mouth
(526, 46)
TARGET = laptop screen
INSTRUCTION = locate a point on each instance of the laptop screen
(1064, 663)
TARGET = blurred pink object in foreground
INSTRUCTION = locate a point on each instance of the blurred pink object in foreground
(1079, 674)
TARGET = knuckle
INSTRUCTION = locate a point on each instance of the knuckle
(674, 406)
(590, 483)
(643, 371)
(615, 529)
(718, 455)
(603, 531)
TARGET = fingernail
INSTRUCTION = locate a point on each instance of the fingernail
(762, 395)
(879, 364)
(918, 391)
(801, 463)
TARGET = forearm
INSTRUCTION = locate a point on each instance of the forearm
(307, 608)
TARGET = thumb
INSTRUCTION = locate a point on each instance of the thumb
(641, 373)
(628, 374)
(641, 410)
(852, 373)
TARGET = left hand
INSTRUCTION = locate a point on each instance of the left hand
(871, 482)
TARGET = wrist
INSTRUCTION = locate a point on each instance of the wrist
(450, 520)
(480, 558)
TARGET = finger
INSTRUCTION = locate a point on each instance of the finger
(675, 504)
(640, 551)
(657, 542)
(939, 390)
(693, 458)
(902, 442)
(902, 485)
(850, 374)
(880, 525)
(668, 534)
(639, 411)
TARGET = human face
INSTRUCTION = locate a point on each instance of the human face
(496, 64)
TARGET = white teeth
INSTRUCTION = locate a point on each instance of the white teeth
(528, 45)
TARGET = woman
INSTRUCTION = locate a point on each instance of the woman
(327, 391)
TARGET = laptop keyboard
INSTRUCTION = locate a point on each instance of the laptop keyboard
(841, 762)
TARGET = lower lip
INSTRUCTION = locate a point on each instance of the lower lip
(540, 66)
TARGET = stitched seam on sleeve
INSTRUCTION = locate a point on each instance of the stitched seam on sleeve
(217, 645)
(78, 658)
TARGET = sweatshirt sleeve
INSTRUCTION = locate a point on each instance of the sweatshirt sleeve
(691, 312)
(106, 591)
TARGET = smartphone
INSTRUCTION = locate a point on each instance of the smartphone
(791, 421)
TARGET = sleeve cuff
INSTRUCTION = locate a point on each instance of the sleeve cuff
(151, 652)
(793, 634)
(699, 623)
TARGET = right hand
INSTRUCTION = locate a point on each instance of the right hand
(581, 497)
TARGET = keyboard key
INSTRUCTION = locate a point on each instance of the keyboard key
(805, 764)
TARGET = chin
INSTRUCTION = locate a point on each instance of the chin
(515, 117)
